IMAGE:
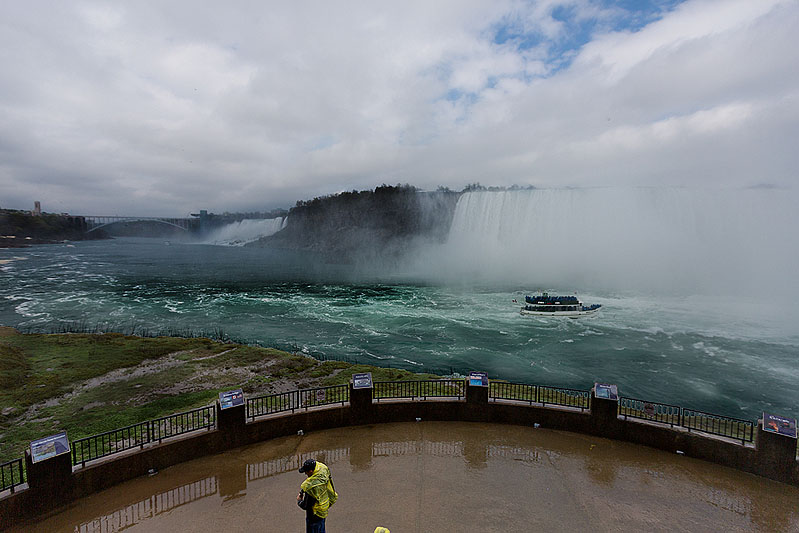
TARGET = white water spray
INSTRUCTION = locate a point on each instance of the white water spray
(248, 230)
(642, 238)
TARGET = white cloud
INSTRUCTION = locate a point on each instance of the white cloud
(103, 17)
(705, 122)
(165, 108)
(619, 52)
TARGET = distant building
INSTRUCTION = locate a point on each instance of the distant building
(37, 209)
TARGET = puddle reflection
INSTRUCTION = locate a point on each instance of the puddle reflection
(423, 476)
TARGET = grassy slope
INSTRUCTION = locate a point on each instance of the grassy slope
(51, 383)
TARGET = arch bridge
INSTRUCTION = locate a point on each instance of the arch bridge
(95, 222)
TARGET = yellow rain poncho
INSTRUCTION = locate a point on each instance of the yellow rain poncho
(320, 486)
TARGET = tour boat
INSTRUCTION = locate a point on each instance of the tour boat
(546, 305)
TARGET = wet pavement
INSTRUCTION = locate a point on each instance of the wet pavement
(432, 476)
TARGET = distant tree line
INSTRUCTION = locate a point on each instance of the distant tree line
(384, 191)
(228, 217)
(21, 228)
(348, 198)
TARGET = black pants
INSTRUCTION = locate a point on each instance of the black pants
(317, 526)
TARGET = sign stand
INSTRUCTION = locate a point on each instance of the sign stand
(478, 379)
(361, 388)
(603, 390)
(230, 399)
(776, 446)
(477, 388)
(49, 463)
(362, 381)
(605, 407)
(43, 449)
(779, 425)
(231, 411)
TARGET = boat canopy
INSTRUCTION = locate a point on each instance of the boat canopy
(546, 299)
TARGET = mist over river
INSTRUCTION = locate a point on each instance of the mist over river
(731, 352)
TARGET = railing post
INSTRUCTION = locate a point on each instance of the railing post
(605, 410)
(231, 418)
(361, 407)
(776, 450)
(476, 394)
(18, 462)
(232, 423)
(51, 478)
(10, 466)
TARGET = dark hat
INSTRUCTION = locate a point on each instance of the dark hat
(308, 466)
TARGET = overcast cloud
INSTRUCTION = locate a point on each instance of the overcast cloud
(164, 108)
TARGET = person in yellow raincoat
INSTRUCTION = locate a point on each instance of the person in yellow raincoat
(316, 495)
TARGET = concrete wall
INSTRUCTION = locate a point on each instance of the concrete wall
(55, 482)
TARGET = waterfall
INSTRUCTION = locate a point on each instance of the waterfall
(614, 237)
(248, 230)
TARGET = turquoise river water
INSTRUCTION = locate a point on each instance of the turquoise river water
(730, 356)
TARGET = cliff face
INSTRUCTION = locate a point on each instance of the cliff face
(367, 224)
(20, 228)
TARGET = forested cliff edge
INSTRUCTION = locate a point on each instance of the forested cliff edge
(383, 222)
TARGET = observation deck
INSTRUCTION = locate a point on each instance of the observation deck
(422, 456)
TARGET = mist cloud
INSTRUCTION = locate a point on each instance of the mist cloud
(163, 109)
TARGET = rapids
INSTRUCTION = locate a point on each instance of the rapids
(677, 323)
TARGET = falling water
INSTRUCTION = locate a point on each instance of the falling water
(653, 239)
(248, 230)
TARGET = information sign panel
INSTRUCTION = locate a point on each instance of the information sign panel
(232, 398)
(48, 447)
(603, 390)
(362, 381)
(478, 379)
(780, 425)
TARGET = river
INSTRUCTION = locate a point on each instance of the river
(728, 353)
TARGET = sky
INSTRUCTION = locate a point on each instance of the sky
(156, 108)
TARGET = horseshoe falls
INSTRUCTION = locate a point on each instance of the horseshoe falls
(681, 241)
(697, 288)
